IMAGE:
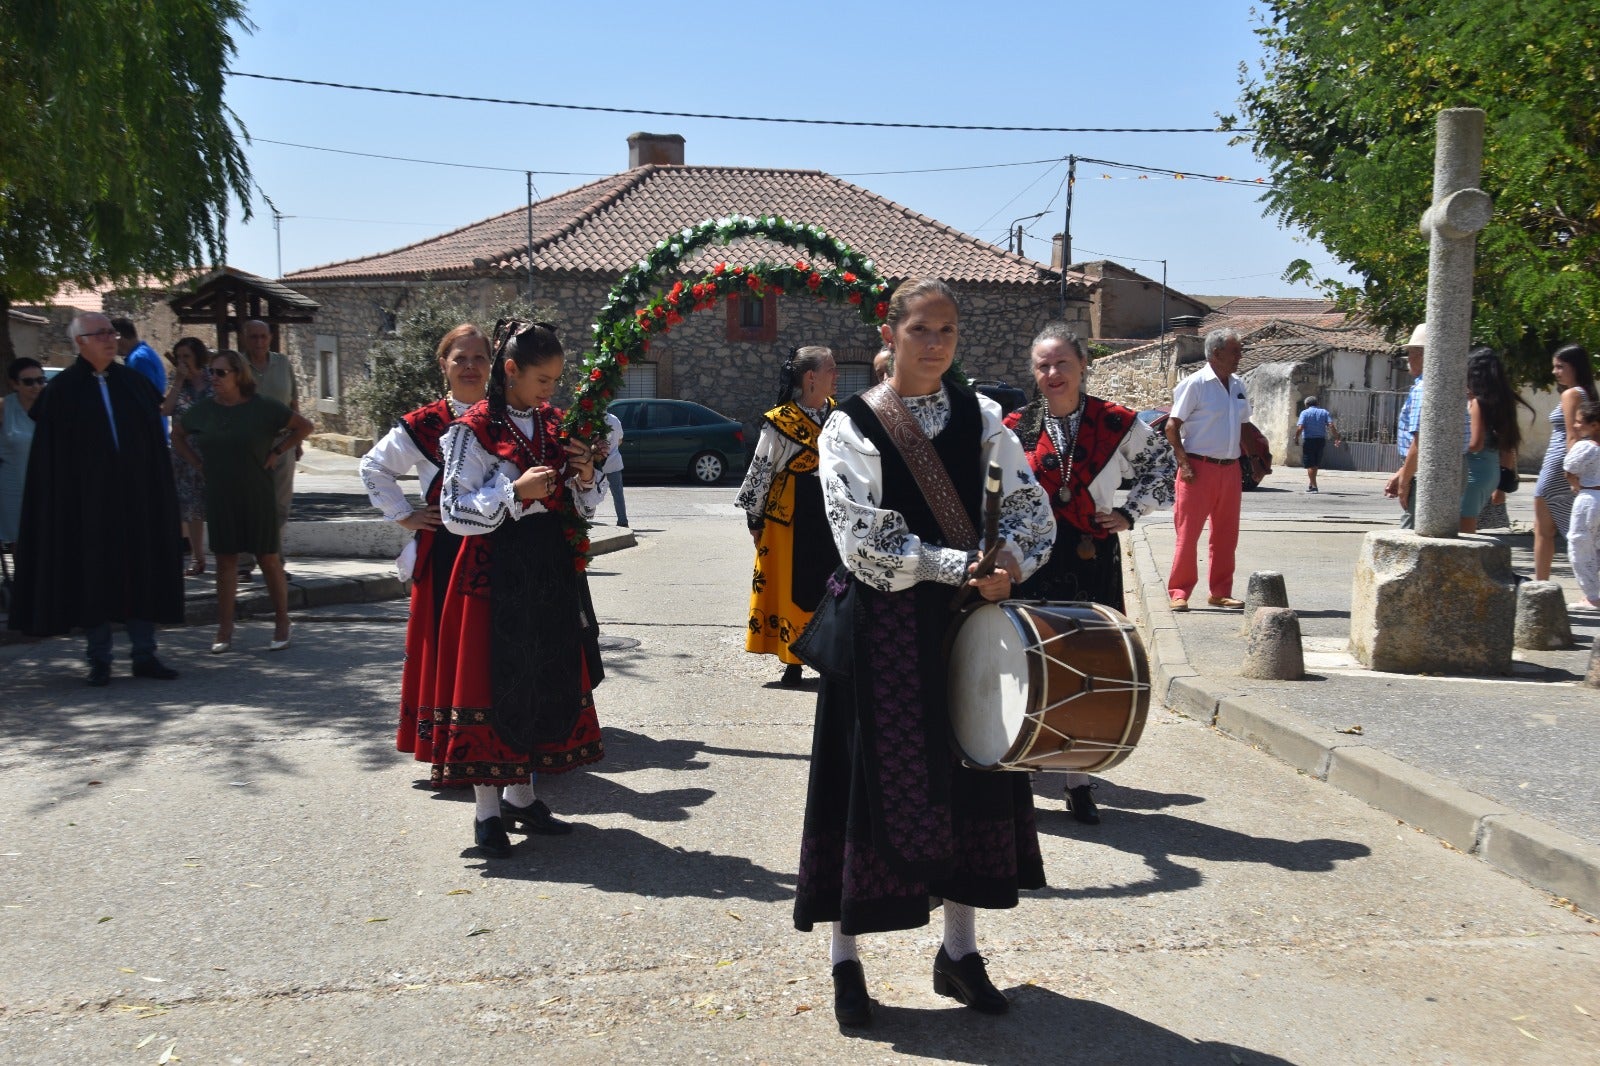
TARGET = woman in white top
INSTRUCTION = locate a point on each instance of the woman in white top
(518, 648)
(892, 817)
(429, 558)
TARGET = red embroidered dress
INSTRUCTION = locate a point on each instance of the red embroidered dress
(436, 557)
(518, 647)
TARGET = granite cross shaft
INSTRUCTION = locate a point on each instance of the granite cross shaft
(1460, 209)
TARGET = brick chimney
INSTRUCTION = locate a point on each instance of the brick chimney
(645, 149)
(1184, 325)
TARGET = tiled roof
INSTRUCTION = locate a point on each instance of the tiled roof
(1283, 341)
(1275, 307)
(605, 226)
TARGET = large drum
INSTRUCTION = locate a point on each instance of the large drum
(1047, 686)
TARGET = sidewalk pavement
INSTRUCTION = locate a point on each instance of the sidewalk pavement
(328, 489)
(1501, 768)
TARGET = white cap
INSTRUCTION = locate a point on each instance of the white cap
(1419, 337)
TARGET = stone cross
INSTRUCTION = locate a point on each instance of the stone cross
(1460, 209)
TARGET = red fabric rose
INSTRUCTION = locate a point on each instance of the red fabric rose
(594, 375)
(882, 310)
(586, 403)
(801, 265)
(854, 297)
(814, 282)
(622, 360)
(719, 268)
(849, 278)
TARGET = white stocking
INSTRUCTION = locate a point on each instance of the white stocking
(960, 930)
(842, 948)
(521, 795)
(487, 798)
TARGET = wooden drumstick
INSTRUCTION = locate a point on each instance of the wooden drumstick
(991, 536)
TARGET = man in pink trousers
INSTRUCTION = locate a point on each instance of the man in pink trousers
(1208, 407)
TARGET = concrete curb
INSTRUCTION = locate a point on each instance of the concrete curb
(1548, 858)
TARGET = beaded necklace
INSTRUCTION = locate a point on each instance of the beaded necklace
(1065, 446)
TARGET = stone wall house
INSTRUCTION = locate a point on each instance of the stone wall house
(584, 239)
(1125, 304)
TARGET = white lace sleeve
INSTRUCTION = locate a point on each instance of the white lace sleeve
(476, 495)
(381, 468)
(587, 499)
(1026, 522)
(1153, 468)
(773, 452)
(874, 543)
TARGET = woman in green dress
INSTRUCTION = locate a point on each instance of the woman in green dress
(235, 430)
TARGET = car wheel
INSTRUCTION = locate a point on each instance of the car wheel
(707, 468)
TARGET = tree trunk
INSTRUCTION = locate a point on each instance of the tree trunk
(8, 351)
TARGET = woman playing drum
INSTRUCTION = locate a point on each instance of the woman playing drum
(782, 499)
(892, 818)
(1081, 448)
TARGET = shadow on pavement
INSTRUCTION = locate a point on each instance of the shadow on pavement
(628, 862)
(1157, 838)
(1045, 1026)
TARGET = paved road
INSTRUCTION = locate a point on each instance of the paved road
(239, 868)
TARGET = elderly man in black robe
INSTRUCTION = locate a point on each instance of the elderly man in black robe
(99, 534)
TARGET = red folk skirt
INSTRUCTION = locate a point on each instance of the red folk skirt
(464, 747)
(436, 558)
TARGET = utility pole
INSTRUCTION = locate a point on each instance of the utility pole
(529, 175)
(277, 229)
(1163, 314)
(1066, 230)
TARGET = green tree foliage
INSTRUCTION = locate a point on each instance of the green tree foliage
(1343, 109)
(118, 156)
(404, 368)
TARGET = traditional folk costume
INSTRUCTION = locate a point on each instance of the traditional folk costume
(518, 645)
(782, 497)
(1081, 460)
(429, 558)
(98, 541)
(892, 818)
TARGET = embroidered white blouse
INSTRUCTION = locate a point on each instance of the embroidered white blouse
(876, 544)
(774, 451)
(477, 495)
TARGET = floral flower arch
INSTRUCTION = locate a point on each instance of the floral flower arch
(632, 316)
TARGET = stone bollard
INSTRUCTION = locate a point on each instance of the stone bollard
(1266, 590)
(1592, 678)
(1273, 652)
(1542, 621)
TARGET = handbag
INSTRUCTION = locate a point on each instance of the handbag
(827, 643)
(1509, 479)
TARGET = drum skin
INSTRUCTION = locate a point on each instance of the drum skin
(1042, 685)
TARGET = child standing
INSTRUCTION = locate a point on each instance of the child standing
(1582, 466)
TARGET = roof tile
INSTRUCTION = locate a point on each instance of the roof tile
(607, 225)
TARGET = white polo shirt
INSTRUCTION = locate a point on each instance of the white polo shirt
(1211, 413)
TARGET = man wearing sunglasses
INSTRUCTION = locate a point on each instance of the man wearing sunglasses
(98, 542)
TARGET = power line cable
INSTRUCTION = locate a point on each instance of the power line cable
(429, 162)
(729, 118)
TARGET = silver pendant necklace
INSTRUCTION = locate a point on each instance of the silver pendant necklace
(1065, 446)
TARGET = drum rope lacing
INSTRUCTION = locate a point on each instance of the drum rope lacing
(1095, 685)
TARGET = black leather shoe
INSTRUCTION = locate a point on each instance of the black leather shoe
(791, 677)
(969, 982)
(153, 668)
(99, 675)
(535, 818)
(1081, 803)
(851, 1004)
(492, 840)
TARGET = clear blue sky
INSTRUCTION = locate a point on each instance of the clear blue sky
(1146, 64)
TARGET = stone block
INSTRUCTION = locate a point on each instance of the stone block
(1266, 590)
(1592, 677)
(1414, 796)
(1542, 621)
(354, 538)
(325, 591)
(1433, 604)
(1273, 652)
(1193, 697)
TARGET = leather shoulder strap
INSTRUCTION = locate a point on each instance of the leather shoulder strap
(932, 478)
